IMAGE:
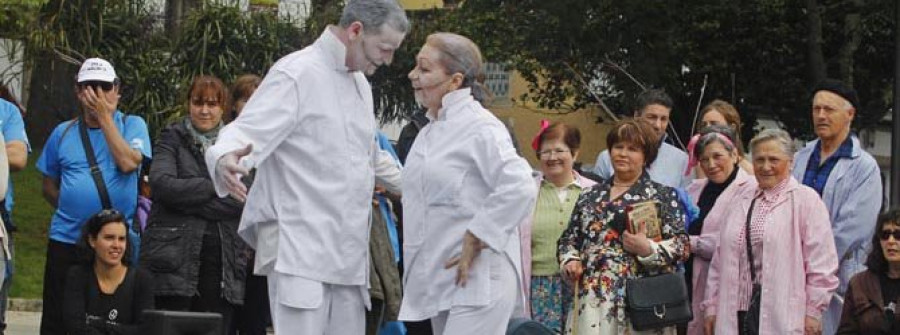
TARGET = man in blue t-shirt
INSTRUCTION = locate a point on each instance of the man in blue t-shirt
(17, 148)
(120, 144)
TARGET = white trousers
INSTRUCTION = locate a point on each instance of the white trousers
(307, 307)
(491, 319)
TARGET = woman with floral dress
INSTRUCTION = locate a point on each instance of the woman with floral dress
(599, 252)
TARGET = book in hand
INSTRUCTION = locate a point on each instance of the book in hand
(646, 212)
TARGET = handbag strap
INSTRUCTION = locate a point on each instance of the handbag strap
(747, 239)
(96, 174)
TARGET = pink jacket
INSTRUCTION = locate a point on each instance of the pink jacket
(703, 246)
(799, 263)
(525, 236)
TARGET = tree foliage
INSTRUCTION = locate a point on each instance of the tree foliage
(752, 53)
(760, 55)
(155, 68)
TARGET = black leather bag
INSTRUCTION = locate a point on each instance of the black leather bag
(658, 301)
(748, 320)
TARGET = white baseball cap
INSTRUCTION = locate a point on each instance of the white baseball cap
(96, 69)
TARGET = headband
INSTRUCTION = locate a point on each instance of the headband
(692, 158)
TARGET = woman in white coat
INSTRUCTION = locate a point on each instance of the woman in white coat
(465, 191)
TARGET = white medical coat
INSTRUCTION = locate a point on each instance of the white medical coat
(312, 126)
(462, 173)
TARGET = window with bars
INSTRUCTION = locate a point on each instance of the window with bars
(497, 79)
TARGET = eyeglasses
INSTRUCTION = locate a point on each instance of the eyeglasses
(886, 234)
(104, 85)
(548, 153)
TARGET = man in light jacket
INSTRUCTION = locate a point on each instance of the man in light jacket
(309, 130)
(848, 180)
(655, 106)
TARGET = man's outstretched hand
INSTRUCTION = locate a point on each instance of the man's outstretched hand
(232, 171)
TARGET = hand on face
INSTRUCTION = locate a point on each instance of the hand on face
(97, 101)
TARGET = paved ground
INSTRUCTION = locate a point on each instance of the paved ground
(22, 323)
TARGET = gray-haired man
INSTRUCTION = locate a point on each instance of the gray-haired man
(309, 130)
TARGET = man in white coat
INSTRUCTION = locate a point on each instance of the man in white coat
(848, 180)
(309, 130)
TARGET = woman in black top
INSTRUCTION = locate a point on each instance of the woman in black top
(105, 295)
(872, 303)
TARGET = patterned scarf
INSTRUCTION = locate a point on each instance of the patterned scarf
(202, 140)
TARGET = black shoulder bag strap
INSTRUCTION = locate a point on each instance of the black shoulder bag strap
(92, 161)
(747, 239)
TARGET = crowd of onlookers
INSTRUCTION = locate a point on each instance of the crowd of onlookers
(268, 217)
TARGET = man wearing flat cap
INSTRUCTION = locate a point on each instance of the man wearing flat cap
(120, 144)
(846, 177)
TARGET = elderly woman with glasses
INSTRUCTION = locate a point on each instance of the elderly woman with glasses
(105, 294)
(191, 244)
(599, 250)
(776, 256)
(559, 185)
(717, 152)
(872, 304)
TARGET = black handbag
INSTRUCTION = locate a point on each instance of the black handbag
(658, 301)
(749, 320)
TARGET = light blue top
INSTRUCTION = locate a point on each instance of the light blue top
(13, 129)
(383, 205)
(853, 196)
(668, 168)
(64, 159)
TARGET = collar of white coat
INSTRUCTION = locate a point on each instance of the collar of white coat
(450, 101)
(334, 48)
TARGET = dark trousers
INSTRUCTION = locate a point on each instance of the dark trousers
(210, 297)
(60, 256)
(253, 317)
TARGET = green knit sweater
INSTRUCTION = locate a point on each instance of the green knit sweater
(551, 217)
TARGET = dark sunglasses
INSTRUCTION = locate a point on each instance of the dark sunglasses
(885, 234)
(104, 85)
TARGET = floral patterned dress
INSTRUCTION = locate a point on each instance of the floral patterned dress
(594, 236)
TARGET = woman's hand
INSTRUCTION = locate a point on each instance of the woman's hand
(471, 248)
(572, 271)
(638, 243)
(812, 326)
(709, 325)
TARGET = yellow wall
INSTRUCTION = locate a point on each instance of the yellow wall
(421, 4)
(525, 119)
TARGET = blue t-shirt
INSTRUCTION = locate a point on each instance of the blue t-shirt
(13, 129)
(64, 159)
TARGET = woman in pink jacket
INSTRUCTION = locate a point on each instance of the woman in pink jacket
(556, 145)
(793, 255)
(718, 154)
